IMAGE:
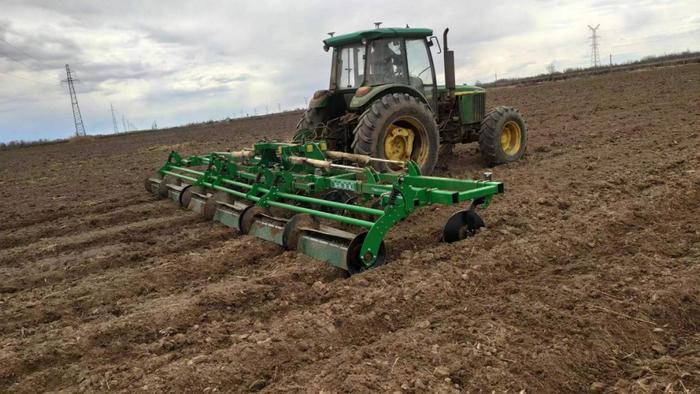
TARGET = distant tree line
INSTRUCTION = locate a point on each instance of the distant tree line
(24, 144)
(552, 74)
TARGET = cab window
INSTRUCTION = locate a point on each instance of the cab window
(420, 71)
(349, 67)
(385, 62)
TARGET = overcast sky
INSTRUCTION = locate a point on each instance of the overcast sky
(177, 62)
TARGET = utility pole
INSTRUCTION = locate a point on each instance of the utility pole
(124, 124)
(267, 109)
(279, 107)
(595, 56)
(114, 120)
(77, 116)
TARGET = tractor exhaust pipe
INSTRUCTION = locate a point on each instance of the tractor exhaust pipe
(449, 65)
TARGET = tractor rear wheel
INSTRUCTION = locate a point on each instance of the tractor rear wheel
(503, 136)
(398, 127)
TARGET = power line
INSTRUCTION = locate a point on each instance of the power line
(30, 80)
(595, 56)
(77, 116)
(8, 56)
(15, 60)
(23, 52)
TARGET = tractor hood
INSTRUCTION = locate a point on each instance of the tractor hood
(462, 89)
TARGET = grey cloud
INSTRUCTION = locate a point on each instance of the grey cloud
(238, 78)
(42, 50)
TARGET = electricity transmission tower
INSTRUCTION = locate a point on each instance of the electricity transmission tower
(77, 117)
(595, 56)
(114, 120)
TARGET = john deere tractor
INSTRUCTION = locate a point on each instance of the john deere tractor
(384, 101)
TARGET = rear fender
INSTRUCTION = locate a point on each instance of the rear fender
(359, 103)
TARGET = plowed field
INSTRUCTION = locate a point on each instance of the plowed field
(587, 277)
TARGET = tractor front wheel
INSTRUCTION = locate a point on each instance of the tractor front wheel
(398, 127)
(503, 136)
(306, 128)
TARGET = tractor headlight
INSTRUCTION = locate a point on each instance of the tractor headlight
(362, 90)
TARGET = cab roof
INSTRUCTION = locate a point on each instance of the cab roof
(373, 34)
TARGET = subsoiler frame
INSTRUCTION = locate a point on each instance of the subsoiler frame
(282, 175)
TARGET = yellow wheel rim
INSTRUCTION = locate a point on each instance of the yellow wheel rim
(405, 138)
(398, 143)
(511, 136)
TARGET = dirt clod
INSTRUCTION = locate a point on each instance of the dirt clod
(442, 371)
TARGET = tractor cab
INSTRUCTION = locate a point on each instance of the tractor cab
(389, 56)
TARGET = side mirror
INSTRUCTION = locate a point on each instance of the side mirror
(434, 40)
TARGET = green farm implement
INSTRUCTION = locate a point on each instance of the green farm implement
(330, 205)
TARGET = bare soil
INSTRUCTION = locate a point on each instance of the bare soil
(586, 279)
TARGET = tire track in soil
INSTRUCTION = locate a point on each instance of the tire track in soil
(82, 222)
(39, 216)
(123, 275)
(127, 251)
(55, 245)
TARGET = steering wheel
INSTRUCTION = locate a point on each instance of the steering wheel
(424, 70)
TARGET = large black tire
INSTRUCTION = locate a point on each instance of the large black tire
(503, 136)
(309, 121)
(398, 111)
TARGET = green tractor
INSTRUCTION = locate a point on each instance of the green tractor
(384, 101)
